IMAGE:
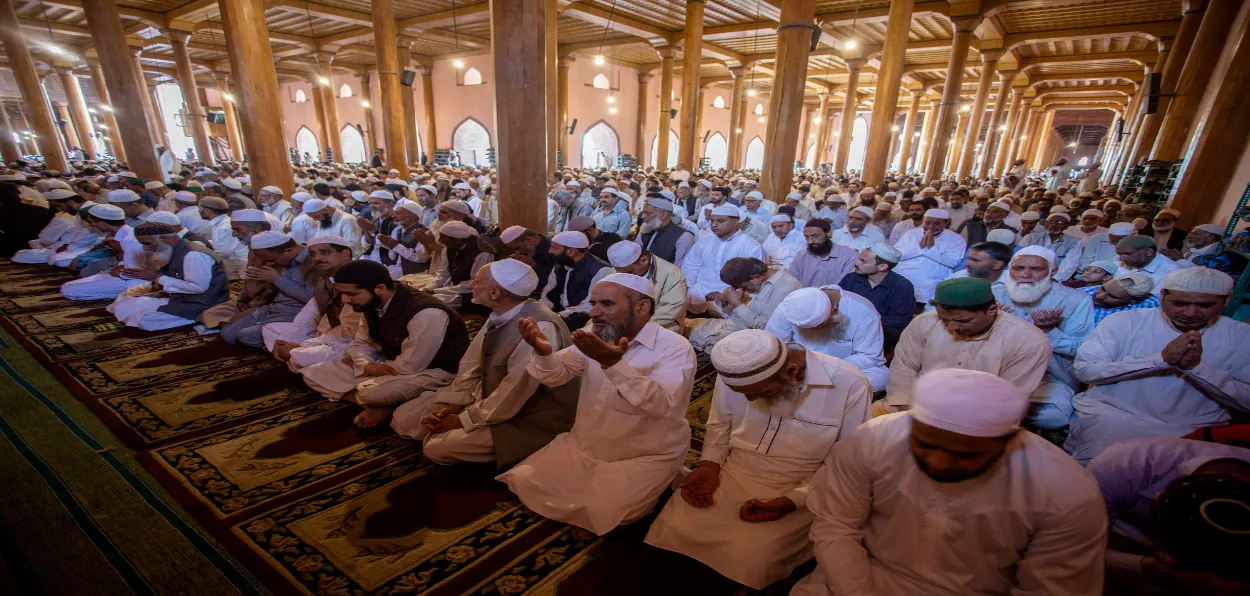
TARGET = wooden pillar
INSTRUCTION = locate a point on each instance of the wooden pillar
(126, 87)
(331, 105)
(1204, 177)
(388, 79)
(1174, 135)
(849, 108)
(78, 111)
(9, 151)
(736, 100)
(319, 111)
(551, 62)
(256, 79)
(519, 47)
(666, 105)
(926, 133)
(989, 61)
(692, 50)
(561, 139)
(961, 130)
(1007, 139)
(427, 102)
(156, 126)
(106, 106)
(885, 100)
(69, 135)
(195, 118)
(159, 129)
(992, 134)
(1136, 109)
(1191, 18)
(644, 94)
(366, 101)
(785, 101)
(411, 145)
(822, 128)
(909, 131)
(805, 137)
(28, 81)
(29, 147)
(698, 128)
(232, 119)
(950, 96)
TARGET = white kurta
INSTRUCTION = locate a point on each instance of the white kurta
(764, 454)
(869, 236)
(51, 238)
(190, 219)
(705, 260)
(781, 251)
(317, 340)
(303, 228)
(1033, 523)
(629, 438)
(925, 267)
(860, 345)
(136, 308)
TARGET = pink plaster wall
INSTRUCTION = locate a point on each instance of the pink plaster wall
(297, 115)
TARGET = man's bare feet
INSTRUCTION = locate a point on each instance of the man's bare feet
(371, 417)
(582, 534)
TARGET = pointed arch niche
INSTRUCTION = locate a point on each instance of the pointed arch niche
(601, 82)
(306, 142)
(672, 151)
(471, 140)
(755, 155)
(300, 97)
(600, 146)
(717, 151)
(345, 90)
(353, 144)
(472, 77)
(859, 144)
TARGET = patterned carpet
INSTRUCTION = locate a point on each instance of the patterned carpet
(306, 501)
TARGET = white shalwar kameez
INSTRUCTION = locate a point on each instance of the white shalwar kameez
(80, 240)
(860, 345)
(705, 260)
(190, 219)
(136, 308)
(629, 439)
(317, 340)
(233, 253)
(925, 267)
(781, 251)
(1033, 523)
(303, 228)
(764, 454)
(51, 237)
(105, 285)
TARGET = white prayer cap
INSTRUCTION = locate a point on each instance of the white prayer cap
(457, 229)
(968, 402)
(462, 186)
(781, 218)
(382, 194)
(1199, 280)
(638, 284)
(152, 185)
(411, 207)
(755, 194)
(205, 173)
(749, 356)
(1036, 251)
(1122, 228)
(1001, 236)
(232, 184)
(668, 194)
(457, 206)
(661, 204)
(571, 239)
(314, 205)
(511, 234)
(884, 206)
(727, 210)
(929, 189)
(863, 209)
(122, 195)
(360, 196)
(429, 188)
(273, 190)
(707, 183)
(514, 276)
(834, 198)
(106, 211)
(57, 194)
(796, 195)
(185, 196)
(268, 239)
(165, 217)
(806, 307)
(334, 239)
(1108, 202)
(1004, 205)
(1059, 214)
(624, 254)
(14, 177)
(886, 252)
(937, 214)
(393, 171)
(1216, 229)
(573, 183)
(300, 197)
(1089, 212)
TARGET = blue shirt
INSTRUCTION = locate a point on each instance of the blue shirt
(1101, 313)
(894, 298)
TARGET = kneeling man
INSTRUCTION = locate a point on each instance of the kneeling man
(183, 280)
(743, 510)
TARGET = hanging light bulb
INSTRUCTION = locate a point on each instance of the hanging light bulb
(611, 99)
(761, 119)
(1002, 128)
(1023, 137)
(323, 80)
(837, 134)
(458, 63)
(816, 120)
(849, 45)
(1073, 145)
(106, 108)
(750, 93)
(894, 128)
(599, 61)
(364, 104)
(228, 96)
(612, 110)
(812, 135)
(965, 108)
(737, 131)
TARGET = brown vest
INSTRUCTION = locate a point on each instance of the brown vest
(390, 329)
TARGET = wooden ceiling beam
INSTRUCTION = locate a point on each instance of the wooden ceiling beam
(565, 49)
(333, 13)
(188, 8)
(623, 24)
(1142, 58)
(442, 18)
(1153, 29)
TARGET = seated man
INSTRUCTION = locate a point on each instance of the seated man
(743, 509)
(1102, 247)
(1067, 248)
(837, 323)
(1066, 317)
(1162, 372)
(494, 410)
(822, 262)
(859, 232)
(183, 280)
(223, 235)
(784, 242)
(966, 330)
(575, 272)
(60, 232)
(600, 241)
(465, 253)
(954, 498)
(1128, 291)
(669, 282)
(929, 253)
(710, 253)
(324, 327)
(531, 248)
(287, 278)
(1137, 253)
(410, 342)
(661, 235)
(106, 276)
(330, 220)
(630, 434)
(753, 295)
(890, 293)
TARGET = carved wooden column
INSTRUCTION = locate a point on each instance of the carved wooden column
(551, 62)
(334, 137)
(366, 101)
(736, 101)
(688, 129)
(106, 107)
(388, 79)
(319, 110)
(427, 103)
(518, 41)
(9, 151)
(232, 119)
(849, 108)
(1171, 69)
(885, 101)
(989, 62)
(156, 126)
(644, 94)
(926, 133)
(28, 81)
(411, 145)
(992, 134)
(562, 109)
(195, 117)
(666, 105)
(909, 131)
(961, 130)
(785, 101)
(78, 111)
(1178, 123)
(946, 114)
(126, 86)
(1007, 139)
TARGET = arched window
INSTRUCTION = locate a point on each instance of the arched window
(472, 77)
(672, 151)
(717, 151)
(859, 143)
(719, 102)
(809, 159)
(353, 144)
(306, 142)
(755, 155)
(601, 82)
(759, 109)
(1084, 161)
(169, 98)
(470, 141)
(345, 90)
(300, 97)
(600, 146)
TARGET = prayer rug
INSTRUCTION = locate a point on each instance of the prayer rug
(75, 316)
(80, 343)
(32, 302)
(119, 371)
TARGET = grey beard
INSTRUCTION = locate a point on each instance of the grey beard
(784, 403)
(1026, 293)
(649, 226)
(162, 255)
(840, 324)
(612, 333)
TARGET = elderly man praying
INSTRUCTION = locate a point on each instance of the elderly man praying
(669, 282)
(742, 511)
(755, 290)
(1138, 253)
(833, 321)
(929, 253)
(183, 280)
(710, 253)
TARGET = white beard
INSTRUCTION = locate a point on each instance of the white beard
(649, 226)
(1026, 293)
(783, 404)
(161, 257)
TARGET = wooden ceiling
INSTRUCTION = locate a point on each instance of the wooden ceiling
(1059, 46)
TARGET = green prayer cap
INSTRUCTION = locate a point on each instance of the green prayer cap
(138, 181)
(195, 188)
(963, 291)
(1136, 241)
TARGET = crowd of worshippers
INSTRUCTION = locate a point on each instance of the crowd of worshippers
(896, 365)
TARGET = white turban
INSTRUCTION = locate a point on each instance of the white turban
(334, 239)
(726, 210)
(300, 197)
(937, 214)
(122, 195)
(864, 210)
(639, 284)
(968, 402)
(571, 239)
(1199, 280)
(457, 229)
(274, 190)
(514, 276)
(806, 307)
(268, 239)
(886, 252)
(1036, 251)
(781, 218)
(314, 205)
(624, 254)
(248, 215)
(1122, 228)
(511, 234)
(749, 356)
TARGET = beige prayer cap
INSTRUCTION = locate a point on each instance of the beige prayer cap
(749, 356)
(968, 402)
(1199, 280)
(1134, 283)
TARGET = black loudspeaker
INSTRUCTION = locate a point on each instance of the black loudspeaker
(360, 129)
(706, 134)
(1119, 130)
(672, 113)
(573, 126)
(216, 117)
(407, 77)
(1152, 92)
